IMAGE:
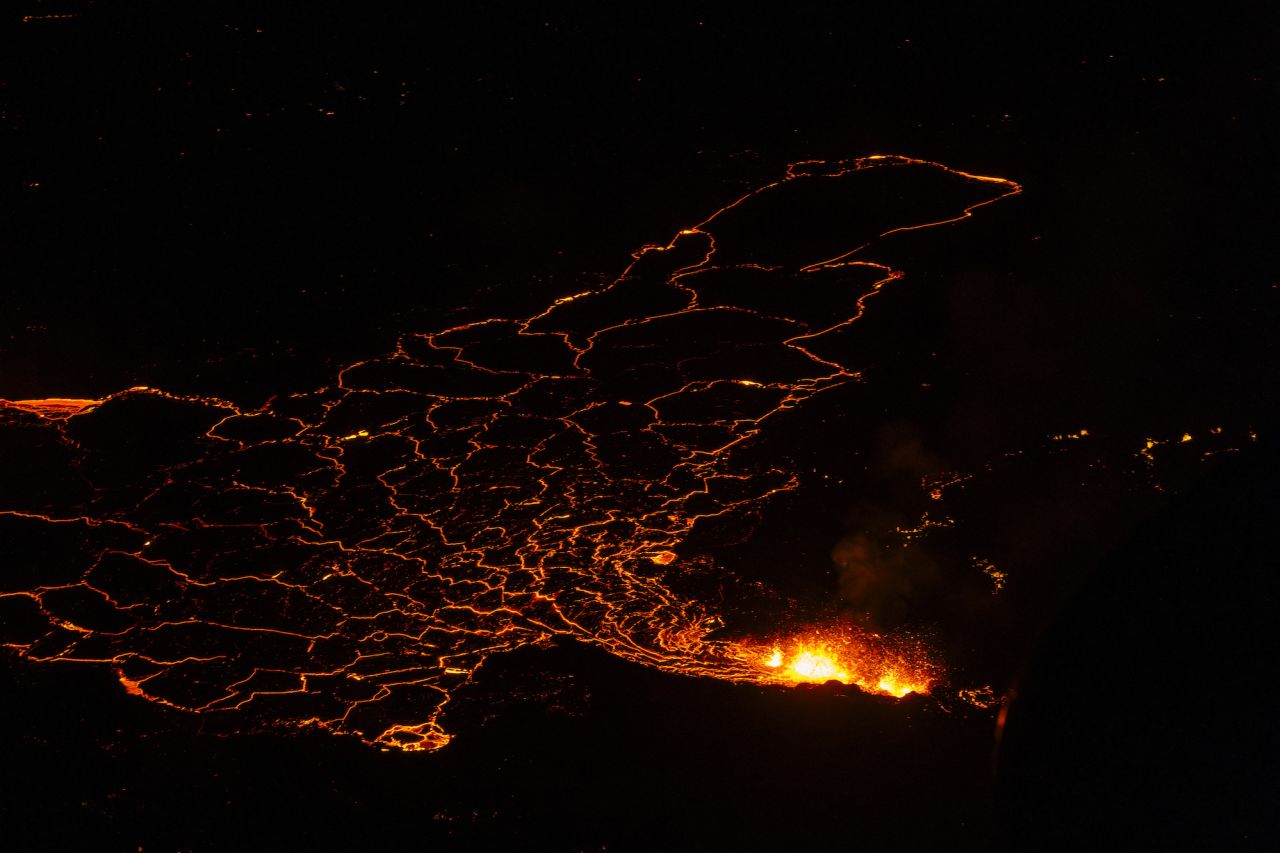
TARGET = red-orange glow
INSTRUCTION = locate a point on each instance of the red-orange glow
(349, 557)
(53, 407)
(892, 667)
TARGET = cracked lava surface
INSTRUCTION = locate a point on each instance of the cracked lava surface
(349, 557)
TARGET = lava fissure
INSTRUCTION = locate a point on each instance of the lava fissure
(349, 557)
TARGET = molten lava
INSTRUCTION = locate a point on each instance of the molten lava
(349, 557)
(870, 662)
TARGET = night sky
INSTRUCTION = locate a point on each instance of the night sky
(223, 200)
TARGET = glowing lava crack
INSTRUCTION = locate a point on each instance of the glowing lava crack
(347, 558)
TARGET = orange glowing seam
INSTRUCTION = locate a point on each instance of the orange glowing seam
(53, 407)
(921, 530)
(493, 513)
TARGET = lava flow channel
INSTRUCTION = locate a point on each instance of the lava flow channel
(348, 557)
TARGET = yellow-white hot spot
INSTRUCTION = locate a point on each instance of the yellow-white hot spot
(867, 661)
